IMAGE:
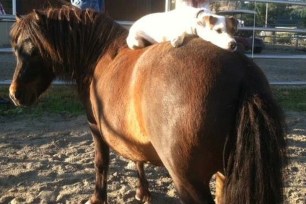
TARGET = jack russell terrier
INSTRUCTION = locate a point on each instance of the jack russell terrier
(175, 25)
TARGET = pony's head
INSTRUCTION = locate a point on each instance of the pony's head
(66, 43)
(33, 74)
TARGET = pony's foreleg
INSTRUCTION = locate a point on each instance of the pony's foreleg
(142, 192)
(101, 167)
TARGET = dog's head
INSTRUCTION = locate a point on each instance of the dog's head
(219, 30)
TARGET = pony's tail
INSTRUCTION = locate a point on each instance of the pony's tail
(256, 157)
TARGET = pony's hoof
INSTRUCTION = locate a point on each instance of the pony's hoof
(94, 200)
(143, 196)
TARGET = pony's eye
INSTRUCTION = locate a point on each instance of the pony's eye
(219, 31)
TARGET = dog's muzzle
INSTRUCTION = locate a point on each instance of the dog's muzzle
(232, 46)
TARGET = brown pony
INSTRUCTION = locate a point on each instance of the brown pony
(196, 109)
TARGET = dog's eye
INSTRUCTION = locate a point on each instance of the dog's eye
(219, 31)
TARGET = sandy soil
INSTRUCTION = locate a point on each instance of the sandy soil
(50, 160)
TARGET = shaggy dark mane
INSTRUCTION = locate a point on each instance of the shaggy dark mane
(72, 39)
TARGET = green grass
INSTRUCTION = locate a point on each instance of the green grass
(291, 99)
(64, 100)
(57, 100)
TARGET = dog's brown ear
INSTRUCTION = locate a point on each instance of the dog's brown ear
(207, 20)
(232, 25)
(210, 21)
(235, 22)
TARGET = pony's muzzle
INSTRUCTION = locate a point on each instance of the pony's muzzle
(14, 94)
(21, 97)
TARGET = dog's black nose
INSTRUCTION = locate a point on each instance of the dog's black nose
(232, 45)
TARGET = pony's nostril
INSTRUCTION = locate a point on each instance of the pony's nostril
(233, 45)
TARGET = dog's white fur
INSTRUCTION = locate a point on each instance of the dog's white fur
(175, 25)
(196, 4)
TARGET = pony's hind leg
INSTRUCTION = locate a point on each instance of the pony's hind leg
(101, 167)
(142, 192)
(197, 192)
(191, 177)
(220, 179)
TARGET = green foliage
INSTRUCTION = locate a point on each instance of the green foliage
(57, 100)
(291, 99)
(299, 13)
(286, 13)
(275, 11)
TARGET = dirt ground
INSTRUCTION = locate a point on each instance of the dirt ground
(50, 160)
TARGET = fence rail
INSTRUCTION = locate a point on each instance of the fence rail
(7, 18)
(297, 3)
(127, 25)
(276, 56)
(291, 30)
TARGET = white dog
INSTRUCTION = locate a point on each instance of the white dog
(175, 25)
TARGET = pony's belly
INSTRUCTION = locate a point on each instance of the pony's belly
(131, 149)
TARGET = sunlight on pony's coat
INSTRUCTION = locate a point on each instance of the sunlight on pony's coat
(197, 109)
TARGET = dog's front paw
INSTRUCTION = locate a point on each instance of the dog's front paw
(135, 43)
(176, 42)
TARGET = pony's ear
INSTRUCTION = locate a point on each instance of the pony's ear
(18, 18)
(38, 14)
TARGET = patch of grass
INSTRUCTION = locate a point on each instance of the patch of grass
(291, 99)
(56, 100)
(64, 100)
